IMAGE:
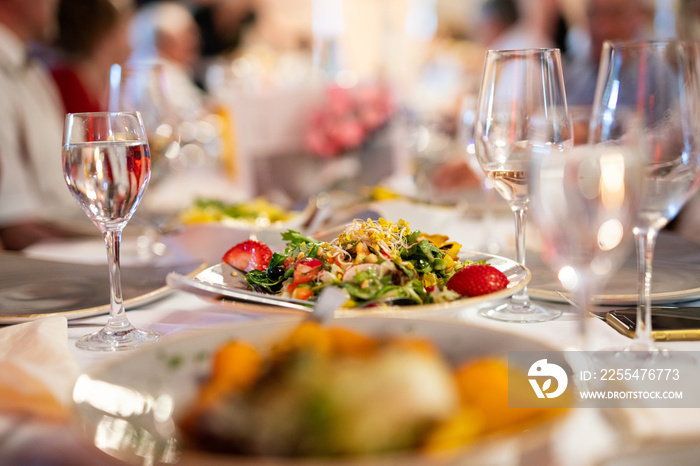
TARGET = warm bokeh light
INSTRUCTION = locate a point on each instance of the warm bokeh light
(612, 180)
(610, 234)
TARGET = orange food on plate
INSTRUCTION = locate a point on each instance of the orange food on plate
(332, 391)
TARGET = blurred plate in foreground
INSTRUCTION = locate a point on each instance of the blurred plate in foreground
(131, 407)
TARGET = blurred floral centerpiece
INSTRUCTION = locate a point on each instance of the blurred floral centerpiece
(348, 119)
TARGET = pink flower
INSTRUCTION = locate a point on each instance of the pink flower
(348, 133)
(340, 101)
(372, 118)
(348, 119)
(317, 143)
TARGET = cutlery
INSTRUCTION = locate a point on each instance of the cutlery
(212, 290)
(330, 299)
(600, 315)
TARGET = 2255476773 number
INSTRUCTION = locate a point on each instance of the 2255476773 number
(639, 374)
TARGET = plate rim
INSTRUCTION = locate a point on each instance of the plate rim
(145, 298)
(620, 299)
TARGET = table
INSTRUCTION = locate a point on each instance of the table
(588, 436)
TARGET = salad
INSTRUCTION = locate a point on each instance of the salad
(371, 261)
(258, 211)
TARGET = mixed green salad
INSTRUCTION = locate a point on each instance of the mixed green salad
(370, 260)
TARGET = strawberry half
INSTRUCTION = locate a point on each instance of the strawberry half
(248, 255)
(477, 280)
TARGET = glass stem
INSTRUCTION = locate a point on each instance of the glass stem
(584, 295)
(490, 241)
(117, 321)
(646, 240)
(520, 212)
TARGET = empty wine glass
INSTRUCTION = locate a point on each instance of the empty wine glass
(584, 200)
(647, 92)
(107, 165)
(143, 87)
(518, 88)
(465, 138)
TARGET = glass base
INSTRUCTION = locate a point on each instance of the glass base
(522, 313)
(640, 355)
(104, 340)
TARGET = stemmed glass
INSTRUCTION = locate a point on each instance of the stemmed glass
(107, 165)
(519, 88)
(465, 138)
(584, 200)
(647, 92)
(143, 87)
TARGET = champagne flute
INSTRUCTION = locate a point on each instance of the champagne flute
(518, 88)
(584, 201)
(647, 92)
(107, 165)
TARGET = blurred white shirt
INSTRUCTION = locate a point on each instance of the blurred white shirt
(31, 127)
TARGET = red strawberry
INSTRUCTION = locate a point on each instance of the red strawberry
(477, 280)
(248, 255)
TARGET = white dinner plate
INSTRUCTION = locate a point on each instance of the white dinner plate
(33, 288)
(675, 276)
(223, 278)
(130, 406)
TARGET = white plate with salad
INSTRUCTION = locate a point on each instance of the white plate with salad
(383, 267)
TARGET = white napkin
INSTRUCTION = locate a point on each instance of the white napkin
(37, 370)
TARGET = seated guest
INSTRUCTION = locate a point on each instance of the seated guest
(166, 33)
(32, 189)
(93, 35)
(607, 20)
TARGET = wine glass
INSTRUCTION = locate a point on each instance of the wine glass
(518, 88)
(465, 138)
(647, 92)
(584, 200)
(143, 87)
(107, 165)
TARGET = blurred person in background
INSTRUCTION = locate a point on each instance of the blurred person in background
(33, 193)
(222, 24)
(504, 27)
(93, 35)
(165, 32)
(687, 223)
(688, 19)
(606, 20)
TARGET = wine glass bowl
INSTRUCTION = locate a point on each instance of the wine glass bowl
(107, 166)
(600, 187)
(521, 103)
(647, 98)
(143, 87)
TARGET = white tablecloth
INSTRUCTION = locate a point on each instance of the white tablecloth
(588, 436)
